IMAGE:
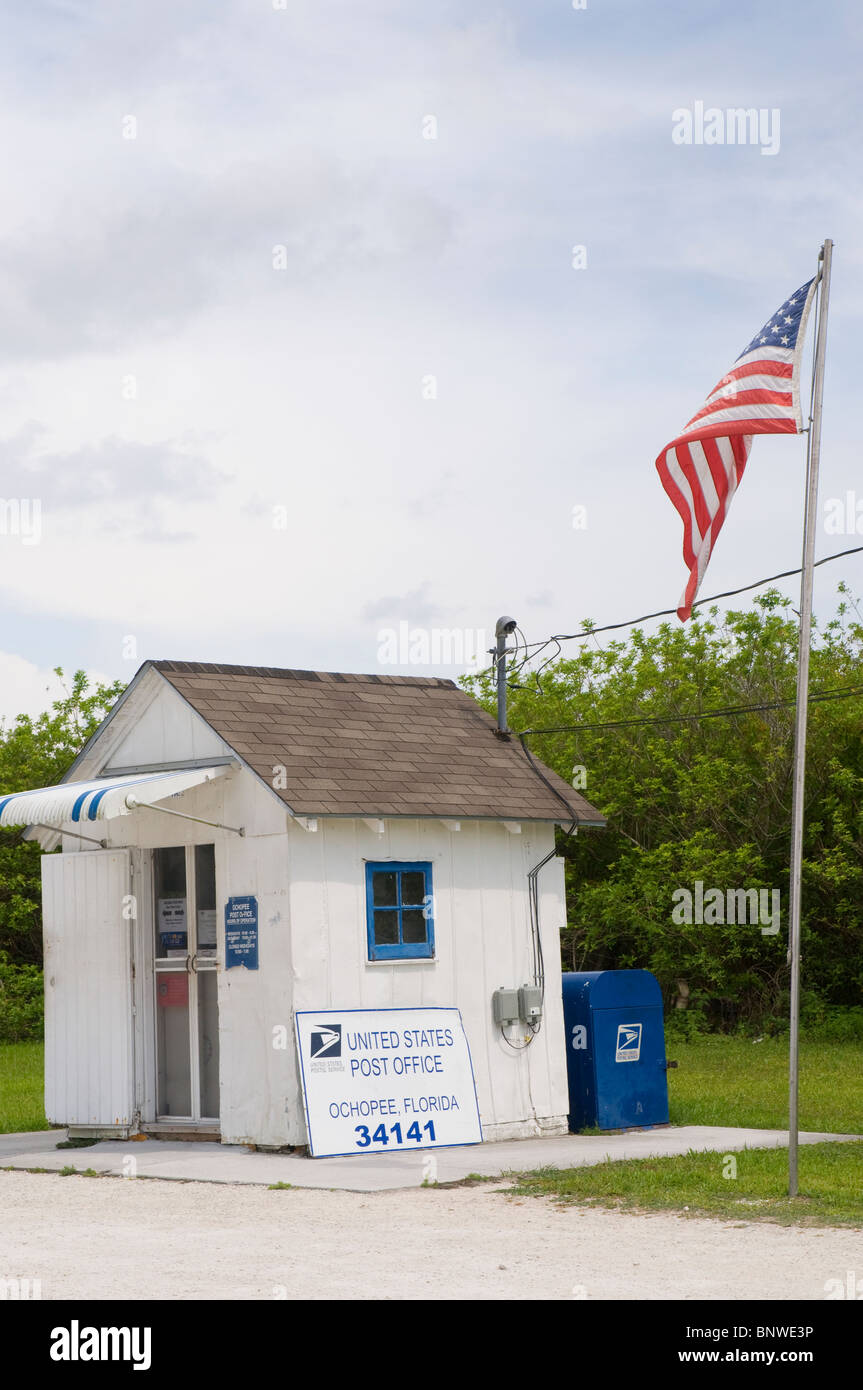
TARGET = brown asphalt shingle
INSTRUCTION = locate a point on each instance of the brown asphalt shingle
(372, 745)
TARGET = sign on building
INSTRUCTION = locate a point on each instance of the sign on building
(386, 1080)
(241, 933)
(172, 927)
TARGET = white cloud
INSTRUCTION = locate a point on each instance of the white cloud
(150, 261)
(26, 689)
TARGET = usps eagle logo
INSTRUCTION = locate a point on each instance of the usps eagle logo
(628, 1042)
(326, 1040)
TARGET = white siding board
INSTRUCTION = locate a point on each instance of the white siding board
(346, 911)
(88, 1017)
(309, 920)
(553, 1035)
(465, 907)
(494, 857)
(145, 1004)
(257, 1078)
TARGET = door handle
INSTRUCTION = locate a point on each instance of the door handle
(193, 962)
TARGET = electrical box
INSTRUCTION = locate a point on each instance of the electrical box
(505, 1006)
(530, 1003)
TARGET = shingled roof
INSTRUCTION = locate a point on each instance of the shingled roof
(372, 745)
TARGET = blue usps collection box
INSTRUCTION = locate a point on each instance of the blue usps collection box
(615, 1049)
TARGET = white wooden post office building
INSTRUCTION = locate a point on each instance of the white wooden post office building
(241, 844)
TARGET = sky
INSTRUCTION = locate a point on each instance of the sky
(296, 351)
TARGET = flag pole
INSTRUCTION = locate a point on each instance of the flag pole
(799, 772)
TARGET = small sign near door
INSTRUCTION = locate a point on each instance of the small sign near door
(207, 931)
(172, 926)
(172, 990)
(241, 933)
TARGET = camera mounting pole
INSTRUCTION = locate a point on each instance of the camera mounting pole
(504, 627)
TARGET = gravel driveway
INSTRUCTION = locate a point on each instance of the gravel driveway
(109, 1238)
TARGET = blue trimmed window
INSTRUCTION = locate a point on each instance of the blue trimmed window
(399, 911)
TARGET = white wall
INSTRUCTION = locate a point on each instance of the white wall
(482, 941)
(168, 728)
(310, 887)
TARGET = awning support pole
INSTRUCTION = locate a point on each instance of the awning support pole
(40, 825)
(135, 805)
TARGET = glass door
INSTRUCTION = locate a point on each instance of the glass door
(186, 980)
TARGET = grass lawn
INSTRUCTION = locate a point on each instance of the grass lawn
(21, 1104)
(720, 1081)
(746, 1186)
(725, 1080)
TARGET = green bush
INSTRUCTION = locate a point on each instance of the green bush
(22, 1005)
(35, 751)
(827, 1023)
(686, 1025)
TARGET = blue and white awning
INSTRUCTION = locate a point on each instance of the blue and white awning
(102, 799)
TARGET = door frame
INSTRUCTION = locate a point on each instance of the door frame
(144, 987)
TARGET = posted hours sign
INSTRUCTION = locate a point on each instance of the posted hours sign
(386, 1080)
(241, 933)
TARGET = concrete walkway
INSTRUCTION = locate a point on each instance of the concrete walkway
(378, 1172)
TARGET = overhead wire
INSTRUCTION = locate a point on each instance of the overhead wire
(729, 712)
(533, 649)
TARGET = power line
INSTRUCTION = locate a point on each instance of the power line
(728, 593)
(663, 612)
(727, 713)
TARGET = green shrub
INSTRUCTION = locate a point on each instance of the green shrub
(686, 1025)
(22, 1005)
(829, 1023)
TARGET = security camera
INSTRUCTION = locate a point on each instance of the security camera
(504, 627)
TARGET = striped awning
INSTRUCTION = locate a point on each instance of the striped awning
(101, 799)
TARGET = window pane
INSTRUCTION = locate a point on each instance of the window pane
(413, 887)
(205, 900)
(174, 1078)
(386, 928)
(208, 1042)
(384, 889)
(414, 926)
(169, 867)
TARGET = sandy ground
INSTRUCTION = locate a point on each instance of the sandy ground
(87, 1238)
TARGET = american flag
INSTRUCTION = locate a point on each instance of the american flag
(702, 467)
